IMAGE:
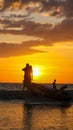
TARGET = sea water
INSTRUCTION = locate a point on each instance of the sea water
(20, 115)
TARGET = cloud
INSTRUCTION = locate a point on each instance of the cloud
(31, 6)
(10, 50)
(20, 24)
(68, 8)
(60, 32)
(7, 4)
(11, 4)
(28, 28)
(55, 7)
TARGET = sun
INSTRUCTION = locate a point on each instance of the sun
(36, 72)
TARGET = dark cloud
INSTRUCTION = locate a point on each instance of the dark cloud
(68, 8)
(43, 5)
(10, 50)
(57, 7)
(28, 28)
(60, 32)
(8, 3)
(5, 22)
(49, 34)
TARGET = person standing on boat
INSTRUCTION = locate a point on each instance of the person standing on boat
(54, 84)
(27, 75)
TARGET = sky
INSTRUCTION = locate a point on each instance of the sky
(38, 32)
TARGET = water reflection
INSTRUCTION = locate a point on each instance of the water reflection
(27, 116)
(21, 116)
(47, 117)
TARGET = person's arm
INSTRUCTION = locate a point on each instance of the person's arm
(23, 69)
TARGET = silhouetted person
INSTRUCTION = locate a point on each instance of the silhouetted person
(54, 84)
(30, 73)
(27, 75)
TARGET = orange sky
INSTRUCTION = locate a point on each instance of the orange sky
(32, 32)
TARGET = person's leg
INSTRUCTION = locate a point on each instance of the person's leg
(24, 85)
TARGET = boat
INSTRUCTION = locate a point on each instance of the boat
(45, 91)
(37, 93)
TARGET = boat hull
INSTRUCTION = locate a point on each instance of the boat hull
(42, 90)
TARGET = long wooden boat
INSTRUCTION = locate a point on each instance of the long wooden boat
(37, 93)
(42, 90)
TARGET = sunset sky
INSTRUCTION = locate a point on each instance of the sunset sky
(38, 32)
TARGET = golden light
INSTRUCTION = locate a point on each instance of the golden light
(36, 72)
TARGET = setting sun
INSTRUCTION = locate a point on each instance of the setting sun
(43, 39)
(36, 72)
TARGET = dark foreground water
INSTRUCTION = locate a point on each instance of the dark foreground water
(20, 115)
(16, 115)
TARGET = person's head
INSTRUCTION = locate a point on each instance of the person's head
(54, 80)
(27, 64)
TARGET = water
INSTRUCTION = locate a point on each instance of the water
(18, 115)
